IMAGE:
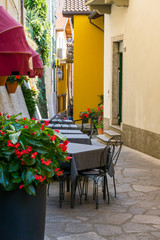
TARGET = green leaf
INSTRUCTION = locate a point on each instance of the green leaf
(51, 174)
(23, 142)
(15, 165)
(11, 186)
(30, 190)
(29, 176)
(12, 127)
(29, 161)
(14, 137)
(8, 151)
(16, 180)
(32, 141)
(3, 178)
(61, 136)
(40, 150)
(15, 175)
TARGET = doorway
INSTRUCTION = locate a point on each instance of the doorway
(117, 70)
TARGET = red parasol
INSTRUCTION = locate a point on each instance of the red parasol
(15, 53)
(37, 65)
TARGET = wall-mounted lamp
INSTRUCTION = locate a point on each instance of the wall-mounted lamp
(59, 74)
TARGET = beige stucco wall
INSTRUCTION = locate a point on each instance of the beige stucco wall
(12, 7)
(12, 103)
(139, 25)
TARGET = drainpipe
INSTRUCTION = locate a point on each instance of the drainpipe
(22, 12)
(92, 16)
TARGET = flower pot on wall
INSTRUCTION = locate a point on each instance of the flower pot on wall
(100, 131)
(22, 216)
(3, 80)
(11, 87)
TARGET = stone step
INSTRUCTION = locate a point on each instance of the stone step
(110, 133)
(102, 139)
(115, 128)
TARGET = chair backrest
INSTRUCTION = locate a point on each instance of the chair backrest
(115, 145)
(105, 157)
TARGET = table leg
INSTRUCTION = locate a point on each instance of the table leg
(73, 192)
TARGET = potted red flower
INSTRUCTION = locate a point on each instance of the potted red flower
(13, 81)
(30, 154)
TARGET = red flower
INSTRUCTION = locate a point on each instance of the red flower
(45, 162)
(18, 153)
(33, 133)
(53, 138)
(68, 158)
(8, 116)
(63, 147)
(21, 186)
(23, 163)
(66, 142)
(40, 178)
(32, 118)
(9, 144)
(56, 131)
(17, 145)
(56, 169)
(0, 114)
(46, 123)
(24, 118)
(42, 127)
(34, 155)
(2, 133)
(26, 126)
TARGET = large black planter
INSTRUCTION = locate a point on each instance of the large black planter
(22, 217)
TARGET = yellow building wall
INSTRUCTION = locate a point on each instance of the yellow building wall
(62, 87)
(88, 64)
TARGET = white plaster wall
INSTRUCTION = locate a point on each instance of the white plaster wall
(13, 103)
(61, 42)
(12, 7)
(141, 76)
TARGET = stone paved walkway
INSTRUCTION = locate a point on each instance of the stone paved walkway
(133, 215)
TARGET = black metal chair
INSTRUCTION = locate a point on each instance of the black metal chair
(108, 161)
(87, 127)
(61, 179)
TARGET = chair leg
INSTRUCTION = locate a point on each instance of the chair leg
(94, 190)
(80, 189)
(61, 192)
(68, 184)
(107, 189)
(96, 187)
(86, 188)
(114, 183)
(48, 188)
(104, 187)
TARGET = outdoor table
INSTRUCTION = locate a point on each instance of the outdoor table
(83, 157)
(78, 138)
(64, 126)
(70, 131)
(60, 121)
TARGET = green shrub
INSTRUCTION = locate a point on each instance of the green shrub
(29, 95)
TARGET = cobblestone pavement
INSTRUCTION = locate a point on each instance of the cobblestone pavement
(133, 215)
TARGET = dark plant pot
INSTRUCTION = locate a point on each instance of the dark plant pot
(11, 87)
(22, 217)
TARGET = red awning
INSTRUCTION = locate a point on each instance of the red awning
(15, 53)
(37, 65)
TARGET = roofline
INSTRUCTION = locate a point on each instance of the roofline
(71, 13)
